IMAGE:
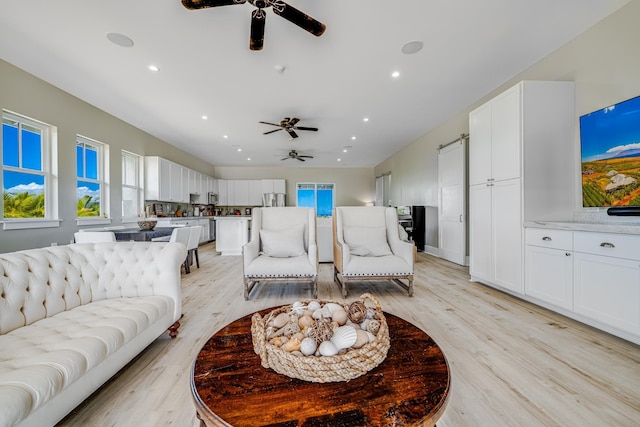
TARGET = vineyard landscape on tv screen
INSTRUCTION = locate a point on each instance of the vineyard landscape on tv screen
(610, 145)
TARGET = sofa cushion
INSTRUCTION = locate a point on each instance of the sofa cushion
(284, 243)
(40, 360)
(367, 241)
(380, 266)
(264, 266)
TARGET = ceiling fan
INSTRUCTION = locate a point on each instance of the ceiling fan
(289, 124)
(259, 16)
(293, 154)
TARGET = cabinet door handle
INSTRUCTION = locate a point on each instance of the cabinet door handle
(567, 254)
(607, 245)
(546, 238)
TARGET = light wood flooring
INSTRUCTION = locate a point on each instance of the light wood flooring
(512, 363)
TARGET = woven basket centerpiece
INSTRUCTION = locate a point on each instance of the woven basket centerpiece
(322, 341)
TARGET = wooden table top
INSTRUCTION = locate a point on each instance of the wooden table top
(231, 388)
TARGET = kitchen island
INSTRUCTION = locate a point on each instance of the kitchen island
(232, 232)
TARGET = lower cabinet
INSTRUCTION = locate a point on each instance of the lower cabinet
(607, 288)
(231, 235)
(594, 275)
(549, 266)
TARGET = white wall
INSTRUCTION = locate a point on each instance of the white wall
(604, 62)
(354, 186)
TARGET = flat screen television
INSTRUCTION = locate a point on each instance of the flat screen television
(610, 155)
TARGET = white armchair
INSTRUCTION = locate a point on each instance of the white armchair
(282, 247)
(367, 246)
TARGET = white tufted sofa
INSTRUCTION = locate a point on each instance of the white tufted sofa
(72, 316)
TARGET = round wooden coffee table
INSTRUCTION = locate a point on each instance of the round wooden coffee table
(231, 388)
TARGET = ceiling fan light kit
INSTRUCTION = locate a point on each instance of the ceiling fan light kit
(258, 16)
(289, 124)
(293, 154)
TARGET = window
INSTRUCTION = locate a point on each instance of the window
(92, 184)
(320, 196)
(132, 187)
(29, 174)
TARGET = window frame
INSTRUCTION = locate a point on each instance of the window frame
(315, 196)
(102, 180)
(138, 187)
(49, 163)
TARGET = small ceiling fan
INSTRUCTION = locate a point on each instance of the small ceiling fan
(289, 124)
(293, 154)
(258, 16)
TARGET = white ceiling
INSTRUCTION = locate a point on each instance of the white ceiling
(331, 82)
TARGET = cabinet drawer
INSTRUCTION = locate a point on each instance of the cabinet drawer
(546, 238)
(607, 244)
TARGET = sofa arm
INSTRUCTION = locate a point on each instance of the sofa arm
(403, 249)
(250, 251)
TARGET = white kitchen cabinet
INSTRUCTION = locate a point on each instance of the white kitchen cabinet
(204, 232)
(521, 142)
(255, 192)
(239, 196)
(164, 181)
(607, 279)
(549, 266)
(274, 186)
(223, 192)
(231, 234)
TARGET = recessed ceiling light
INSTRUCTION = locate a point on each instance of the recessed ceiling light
(154, 68)
(353, 137)
(344, 151)
(412, 47)
(339, 160)
(204, 117)
(239, 149)
(120, 39)
(366, 119)
(248, 158)
(395, 74)
(225, 136)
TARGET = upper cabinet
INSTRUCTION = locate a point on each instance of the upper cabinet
(165, 181)
(274, 186)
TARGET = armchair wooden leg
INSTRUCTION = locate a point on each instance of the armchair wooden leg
(248, 285)
(411, 286)
(315, 287)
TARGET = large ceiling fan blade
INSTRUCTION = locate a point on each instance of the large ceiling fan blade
(203, 4)
(308, 157)
(300, 158)
(267, 123)
(293, 121)
(292, 133)
(272, 131)
(297, 17)
(286, 158)
(306, 128)
(258, 19)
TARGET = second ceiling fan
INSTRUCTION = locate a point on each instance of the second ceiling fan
(258, 16)
(289, 124)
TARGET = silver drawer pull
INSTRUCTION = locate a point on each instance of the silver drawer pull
(607, 245)
(546, 238)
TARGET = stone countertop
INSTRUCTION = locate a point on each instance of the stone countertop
(585, 226)
(228, 217)
(182, 218)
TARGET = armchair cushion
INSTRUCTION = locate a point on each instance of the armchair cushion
(284, 243)
(367, 241)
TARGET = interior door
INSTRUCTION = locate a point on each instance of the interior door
(452, 201)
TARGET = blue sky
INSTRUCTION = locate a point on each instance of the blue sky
(610, 130)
